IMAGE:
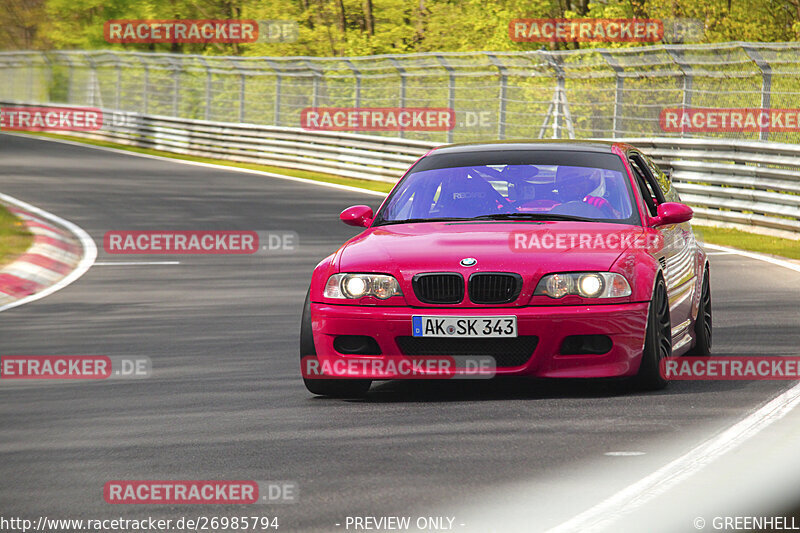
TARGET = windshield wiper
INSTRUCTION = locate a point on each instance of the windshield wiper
(412, 220)
(495, 216)
(532, 216)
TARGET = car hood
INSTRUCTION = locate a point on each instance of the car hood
(404, 250)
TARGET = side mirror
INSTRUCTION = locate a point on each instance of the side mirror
(358, 215)
(672, 213)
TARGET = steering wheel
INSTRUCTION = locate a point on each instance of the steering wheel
(579, 209)
(602, 204)
(538, 206)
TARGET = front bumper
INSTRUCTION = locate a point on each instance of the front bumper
(624, 323)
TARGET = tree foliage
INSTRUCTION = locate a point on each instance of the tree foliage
(367, 27)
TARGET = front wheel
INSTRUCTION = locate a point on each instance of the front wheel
(336, 388)
(702, 325)
(658, 341)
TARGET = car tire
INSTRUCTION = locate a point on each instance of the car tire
(658, 341)
(336, 388)
(703, 323)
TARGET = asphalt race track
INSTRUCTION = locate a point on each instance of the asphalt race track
(226, 400)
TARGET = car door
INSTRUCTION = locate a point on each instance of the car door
(678, 255)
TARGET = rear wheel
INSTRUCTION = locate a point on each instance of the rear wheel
(702, 325)
(337, 388)
(658, 341)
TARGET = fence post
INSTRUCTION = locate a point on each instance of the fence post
(560, 105)
(315, 92)
(242, 93)
(565, 110)
(118, 90)
(501, 112)
(357, 82)
(618, 93)
(29, 78)
(451, 97)
(207, 111)
(48, 77)
(175, 86)
(766, 84)
(278, 79)
(315, 88)
(549, 112)
(402, 72)
(146, 87)
(95, 94)
(69, 79)
(686, 74)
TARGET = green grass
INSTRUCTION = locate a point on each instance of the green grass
(722, 236)
(14, 236)
(753, 242)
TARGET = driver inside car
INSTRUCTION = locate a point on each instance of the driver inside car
(579, 185)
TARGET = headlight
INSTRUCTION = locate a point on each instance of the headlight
(355, 286)
(585, 284)
(352, 286)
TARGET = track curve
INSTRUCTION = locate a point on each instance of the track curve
(226, 400)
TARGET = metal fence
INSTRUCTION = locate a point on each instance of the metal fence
(753, 185)
(577, 94)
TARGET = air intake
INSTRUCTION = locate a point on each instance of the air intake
(507, 352)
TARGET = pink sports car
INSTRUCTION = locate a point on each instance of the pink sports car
(548, 259)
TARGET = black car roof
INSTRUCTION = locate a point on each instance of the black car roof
(529, 145)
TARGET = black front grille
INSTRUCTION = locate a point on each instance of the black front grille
(439, 288)
(513, 351)
(494, 288)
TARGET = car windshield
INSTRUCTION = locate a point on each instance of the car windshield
(512, 191)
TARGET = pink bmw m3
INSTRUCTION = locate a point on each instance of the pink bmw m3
(553, 259)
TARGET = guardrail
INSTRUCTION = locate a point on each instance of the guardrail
(751, 185)
(343, 154)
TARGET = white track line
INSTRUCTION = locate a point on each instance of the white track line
(89, 248)
(135, 263)
(206, 165)
(605, 513)
(752, 255)
(89, 251)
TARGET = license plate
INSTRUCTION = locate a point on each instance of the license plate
(464, 326)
